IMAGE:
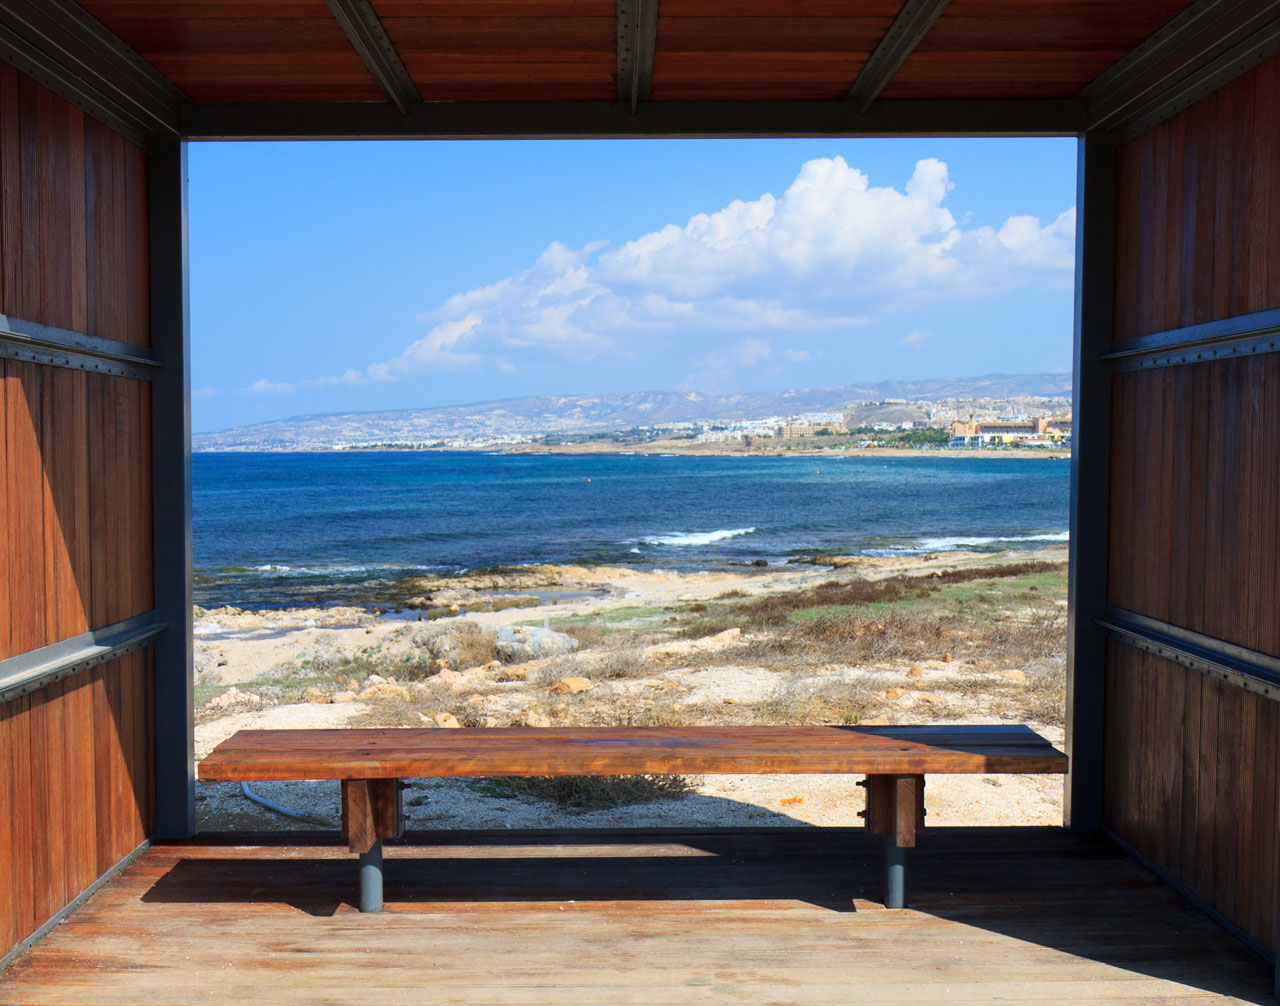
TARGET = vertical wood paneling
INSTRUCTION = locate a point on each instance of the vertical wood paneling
(1195, 479)
(24, 487)
(74, 790)
(77, 757)
(1192, 765)
(1198, 221)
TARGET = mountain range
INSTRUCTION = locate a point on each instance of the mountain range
(538, 415)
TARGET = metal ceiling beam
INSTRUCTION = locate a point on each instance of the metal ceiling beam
(1204, 47)
(907, 31)
(603, 119)
(72, 54)
(370, 40)
(637, 43)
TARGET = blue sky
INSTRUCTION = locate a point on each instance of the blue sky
(330, 277)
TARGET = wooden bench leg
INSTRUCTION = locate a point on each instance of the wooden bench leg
(371, 811)
(895, 809)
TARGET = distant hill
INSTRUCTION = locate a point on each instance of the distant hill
(559, 414)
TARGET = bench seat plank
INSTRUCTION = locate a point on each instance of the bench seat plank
(265, 755)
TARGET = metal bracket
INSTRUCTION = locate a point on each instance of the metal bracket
(29, 672)
(60, 347)
(1255, 672)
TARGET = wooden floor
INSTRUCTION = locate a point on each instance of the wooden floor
(1001, 915)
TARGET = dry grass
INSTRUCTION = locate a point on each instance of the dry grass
(776, 609)
(797, 702)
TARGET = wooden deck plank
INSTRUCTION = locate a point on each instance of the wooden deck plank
(1014, 915)
(413, 753)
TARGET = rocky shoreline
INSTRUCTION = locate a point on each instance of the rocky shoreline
(856, 639)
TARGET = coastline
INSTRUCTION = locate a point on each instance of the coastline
(684, 448)
(659, 647)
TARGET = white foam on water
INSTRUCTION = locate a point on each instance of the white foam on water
(686, 538)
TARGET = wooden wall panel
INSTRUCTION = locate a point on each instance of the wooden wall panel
(73, 220)
(1192, 774)
(76, 774)
(1198, 227)
(1196, 498)
(73, 253)
(77, 542)
(1193, 763)
(77, 766)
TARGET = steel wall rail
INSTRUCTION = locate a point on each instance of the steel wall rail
(60, 347)
(31, 671)
(1251, 670)
(1243, 335)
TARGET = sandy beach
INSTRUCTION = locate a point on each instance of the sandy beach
(977, 637)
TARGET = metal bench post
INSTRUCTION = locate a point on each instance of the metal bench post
(895, 809)
(371, 878)
(371, 811)
(895, 874)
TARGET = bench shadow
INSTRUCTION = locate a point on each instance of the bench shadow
(1079, 896)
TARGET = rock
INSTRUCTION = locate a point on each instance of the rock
(517, 673)
(893, 694)
(728, 636)
(875, 721)
(1017, 677)
(915, 671)
(232, 697)
(572, 685)
(518, 644)
(316, 697)
(386, 691)
(374, 679)
(454, 643)
(929, 698)
(533, 718)
(946, 658)
(344, 696)
(447, 721)
(477, 700)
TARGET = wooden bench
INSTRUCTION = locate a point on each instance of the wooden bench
(371, 765)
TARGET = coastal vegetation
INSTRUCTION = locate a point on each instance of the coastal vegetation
(964, 636)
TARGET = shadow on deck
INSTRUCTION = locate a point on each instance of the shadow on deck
(1009, 915)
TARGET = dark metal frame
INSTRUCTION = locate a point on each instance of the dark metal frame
(908, 30)
(370, 40)
(1208, 44)
(68, 51)
(479, 120)
(1090, 477)
(637, 43)
(171, 491)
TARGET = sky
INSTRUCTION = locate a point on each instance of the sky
(337, 277)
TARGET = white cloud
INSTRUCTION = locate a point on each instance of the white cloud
(205, 393)
(915, 340)
(833, 252)
(350, 378)
(265, 387)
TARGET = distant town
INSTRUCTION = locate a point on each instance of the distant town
(882, 423)
(995, 412)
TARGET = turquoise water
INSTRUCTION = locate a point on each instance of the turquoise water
(282, 529)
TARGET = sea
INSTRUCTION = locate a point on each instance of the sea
(281, 530)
